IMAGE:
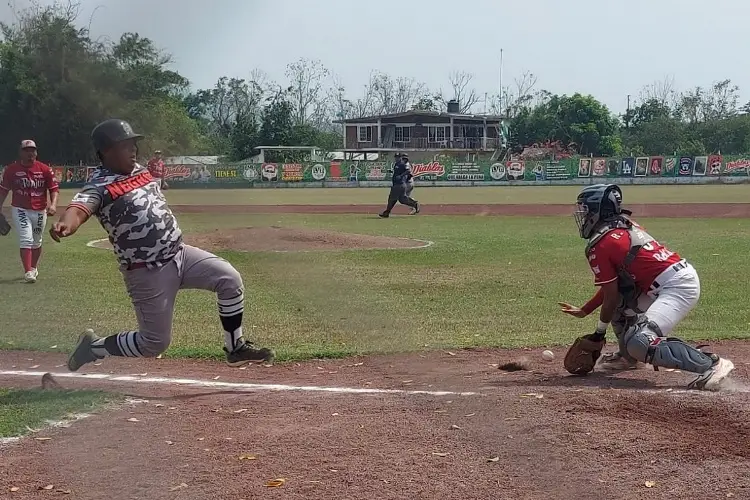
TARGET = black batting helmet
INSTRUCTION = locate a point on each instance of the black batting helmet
(110, 132)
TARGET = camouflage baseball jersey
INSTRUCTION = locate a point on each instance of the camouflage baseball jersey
(135, 214)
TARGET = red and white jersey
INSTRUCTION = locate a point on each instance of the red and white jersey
(29, 185)
(156, 167)
(608, 255)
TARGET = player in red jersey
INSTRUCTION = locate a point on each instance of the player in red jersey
(156, 167)
(645, 290)
(30, 180)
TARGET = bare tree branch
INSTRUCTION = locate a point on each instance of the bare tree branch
(306, 80)
(466, 97)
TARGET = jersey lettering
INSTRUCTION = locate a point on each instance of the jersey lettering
(124, 186)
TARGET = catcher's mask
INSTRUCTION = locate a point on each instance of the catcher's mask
(595, 205)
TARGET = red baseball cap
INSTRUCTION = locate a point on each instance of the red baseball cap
(28, 143)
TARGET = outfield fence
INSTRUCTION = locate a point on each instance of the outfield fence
(628, 170)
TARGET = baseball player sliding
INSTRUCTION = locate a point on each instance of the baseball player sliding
(29, 180)
(634, 272)
(154, 261)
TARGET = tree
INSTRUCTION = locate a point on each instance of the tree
(461, 91)
(306, 92)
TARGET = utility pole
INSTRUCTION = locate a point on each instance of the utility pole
(501, 83)
(627, 114)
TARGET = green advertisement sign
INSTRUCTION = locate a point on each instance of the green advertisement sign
(354, 172)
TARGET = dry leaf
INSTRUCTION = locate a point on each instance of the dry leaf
(470, 415)
(43, 439)
(334, 414)
(730, 495)
(14, 489)
(178, 487)
(216, 410)
(53, 347)
(441, 411)
(143, 374)
(201, 439)
(172, 408)
(248, 457)
(64, 492)
(216, 377)
(455, 428)
(450, 353)
(407, 381)
(170, 443)
(158, 405)
(358, 364)
(649, 484)
(275, 483)
(493, 459)
(133, 420)
(241, 410)
(48, 487)
(440, 454)
(32, 367)
(32, 430)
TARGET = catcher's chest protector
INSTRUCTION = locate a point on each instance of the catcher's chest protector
(625, 282)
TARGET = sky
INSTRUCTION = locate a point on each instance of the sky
(607, 48)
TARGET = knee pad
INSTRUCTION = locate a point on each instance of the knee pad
(645, 342)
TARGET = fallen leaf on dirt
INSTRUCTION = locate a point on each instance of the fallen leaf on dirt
(248, 457)
(170, 443)
(469, 414)
(158, 405)
(143, 374)
(216, 410)
(13, 489)
(133, 420)
(243, 367)
(450, 353)
(649, 484)
(178, 487)
(455, 428)
(201, 439)
(217, 377)
(97, 364)
(48, 487)
(437, 454)
(241, 410)
(730, 495)
(32, 430)
(172, 407)
(441, 411)
(43, 439)
(159, 356)
(332, 373)
(53, 347)
(64, 492)
(407, 381)
(275, 483)
(358, 364)
(532, 395)
(32, 367)
(493, 459)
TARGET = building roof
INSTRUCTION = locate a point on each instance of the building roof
(427, 114)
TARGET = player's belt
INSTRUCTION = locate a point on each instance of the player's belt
(666, 275)
(141, 265)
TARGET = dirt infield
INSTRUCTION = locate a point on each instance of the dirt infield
(279, 239)
(537, 434)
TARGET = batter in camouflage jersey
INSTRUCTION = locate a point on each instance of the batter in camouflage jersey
(154, 261)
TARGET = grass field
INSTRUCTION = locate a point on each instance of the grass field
(735, 193)
(487, 281)
(24, 409)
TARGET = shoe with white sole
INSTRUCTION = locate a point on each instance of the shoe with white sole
(616, 362)
(30, 277)
(82, 353)
(712, 379)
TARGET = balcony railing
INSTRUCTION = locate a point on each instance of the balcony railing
(471, 143)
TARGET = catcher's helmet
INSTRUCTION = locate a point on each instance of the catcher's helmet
(110, 132)
(597, 204)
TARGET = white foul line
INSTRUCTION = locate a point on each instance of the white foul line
(238, 386)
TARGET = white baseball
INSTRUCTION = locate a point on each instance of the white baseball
(548, 355)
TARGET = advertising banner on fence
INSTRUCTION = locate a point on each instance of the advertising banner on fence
(352, 172)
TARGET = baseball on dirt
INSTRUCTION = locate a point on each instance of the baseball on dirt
(548, 355)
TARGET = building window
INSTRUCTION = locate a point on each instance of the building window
(364, 133)
(403, 134)
(436, 134)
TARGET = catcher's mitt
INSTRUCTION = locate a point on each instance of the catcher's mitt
(582, 355)
(4, 226)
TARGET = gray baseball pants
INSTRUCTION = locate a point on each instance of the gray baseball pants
(153, 293)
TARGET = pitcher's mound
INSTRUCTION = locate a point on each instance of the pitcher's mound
(284, 239)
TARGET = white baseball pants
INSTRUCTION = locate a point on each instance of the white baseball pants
(30, 226)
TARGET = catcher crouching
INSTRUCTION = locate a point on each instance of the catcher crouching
(645, 290)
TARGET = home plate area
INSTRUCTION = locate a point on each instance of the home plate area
(431, 425)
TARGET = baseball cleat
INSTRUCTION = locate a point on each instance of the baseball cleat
(82, 354)
(30, 277)
(415, 210)
(712, 379)
(383, 215)
(616, 362)
(248, 353)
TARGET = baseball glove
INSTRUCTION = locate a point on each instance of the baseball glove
(582, 355)
(4, 226)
